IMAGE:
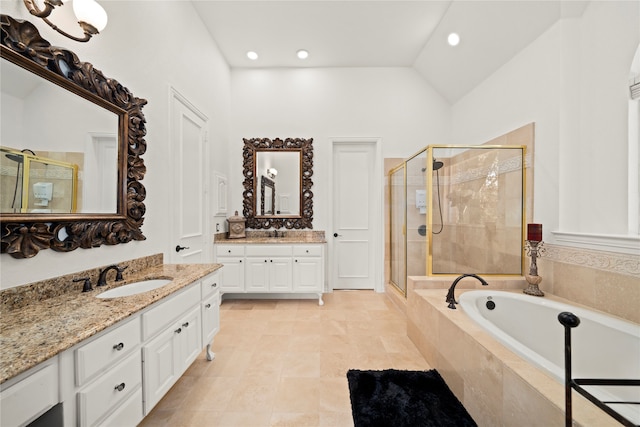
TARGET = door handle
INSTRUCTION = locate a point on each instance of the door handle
(337, 235)
(179, 248)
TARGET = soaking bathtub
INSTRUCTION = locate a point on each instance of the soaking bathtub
(602, 346)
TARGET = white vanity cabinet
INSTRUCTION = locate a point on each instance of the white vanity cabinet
(26, 397)
(308, 268)
(108, 373)
(272, 268)
(232, 275)
(167, 356)
(118, 375)
(210, 308)
(268, 268)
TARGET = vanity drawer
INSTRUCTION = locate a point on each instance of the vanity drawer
(229, 250)
(307, 250)
(28, 399)
(93, 357)
(128, 414)
(158, 317)
(210, 284)
(109, 390)
(268, 251)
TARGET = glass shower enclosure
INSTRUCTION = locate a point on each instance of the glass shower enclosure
(457, 209)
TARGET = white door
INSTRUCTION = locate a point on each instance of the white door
(355, 215)
(189, 203)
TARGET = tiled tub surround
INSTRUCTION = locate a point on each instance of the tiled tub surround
(41, 320)
(267, 236)
(495, 385)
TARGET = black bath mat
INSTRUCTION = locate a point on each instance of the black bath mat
(394, 398)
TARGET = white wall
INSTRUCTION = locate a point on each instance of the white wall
(146, 49)
(573, 83)
(394, 104)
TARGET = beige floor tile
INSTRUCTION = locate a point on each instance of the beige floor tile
(295, 419)
(297, 395)
(284, 362)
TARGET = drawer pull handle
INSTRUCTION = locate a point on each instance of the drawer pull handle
(177, 331)
(207, 306)
(120, 387)
(185, 325)
(118, 347)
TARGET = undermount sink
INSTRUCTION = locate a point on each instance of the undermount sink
(134, 288)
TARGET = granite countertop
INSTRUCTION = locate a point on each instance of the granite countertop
(32, 334)
(267, 237)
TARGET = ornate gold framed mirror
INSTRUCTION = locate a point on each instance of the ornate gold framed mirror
(288, 164)
(27, 231)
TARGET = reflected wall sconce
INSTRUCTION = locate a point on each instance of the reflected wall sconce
(272, 172)
(92, 18)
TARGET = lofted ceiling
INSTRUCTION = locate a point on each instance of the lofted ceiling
(394, 33)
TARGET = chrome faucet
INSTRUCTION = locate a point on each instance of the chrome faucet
(451, 298)
(102, 279)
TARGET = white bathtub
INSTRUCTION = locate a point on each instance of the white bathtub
(602, 346)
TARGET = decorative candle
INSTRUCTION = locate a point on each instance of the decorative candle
(534, 232)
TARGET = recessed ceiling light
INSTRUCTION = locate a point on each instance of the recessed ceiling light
(252, 55)
(453, 39)
(302, 54)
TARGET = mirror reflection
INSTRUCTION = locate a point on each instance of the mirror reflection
(69, 155)
(281, 170)
(268, 196)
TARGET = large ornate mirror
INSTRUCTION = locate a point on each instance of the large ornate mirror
(285, 165)
(72, 141)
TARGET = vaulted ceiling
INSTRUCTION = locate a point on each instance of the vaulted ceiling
(395, 33)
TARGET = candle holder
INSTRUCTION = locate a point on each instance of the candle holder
(534, 250)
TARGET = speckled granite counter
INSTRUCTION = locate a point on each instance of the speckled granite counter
(284, 237)
(33, 332)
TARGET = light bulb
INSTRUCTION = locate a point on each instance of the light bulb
(302, 54)
(252, 55)
(90, 12)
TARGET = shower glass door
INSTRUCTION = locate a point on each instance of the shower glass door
(397, 247)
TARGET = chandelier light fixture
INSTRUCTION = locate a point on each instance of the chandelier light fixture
(92, 18)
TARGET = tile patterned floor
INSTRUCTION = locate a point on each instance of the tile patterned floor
(284, 362)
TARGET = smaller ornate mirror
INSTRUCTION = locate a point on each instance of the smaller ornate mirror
(285, 164)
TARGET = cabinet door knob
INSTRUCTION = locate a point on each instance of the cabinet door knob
(307, 251)
(214, 285)
(265, 260)
(119, 387)
(118, 347)
(207, 306)
(185, 325)
(229, 251)
(296, 260)
(177, 331)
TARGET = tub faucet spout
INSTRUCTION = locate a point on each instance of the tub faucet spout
(451, 298)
